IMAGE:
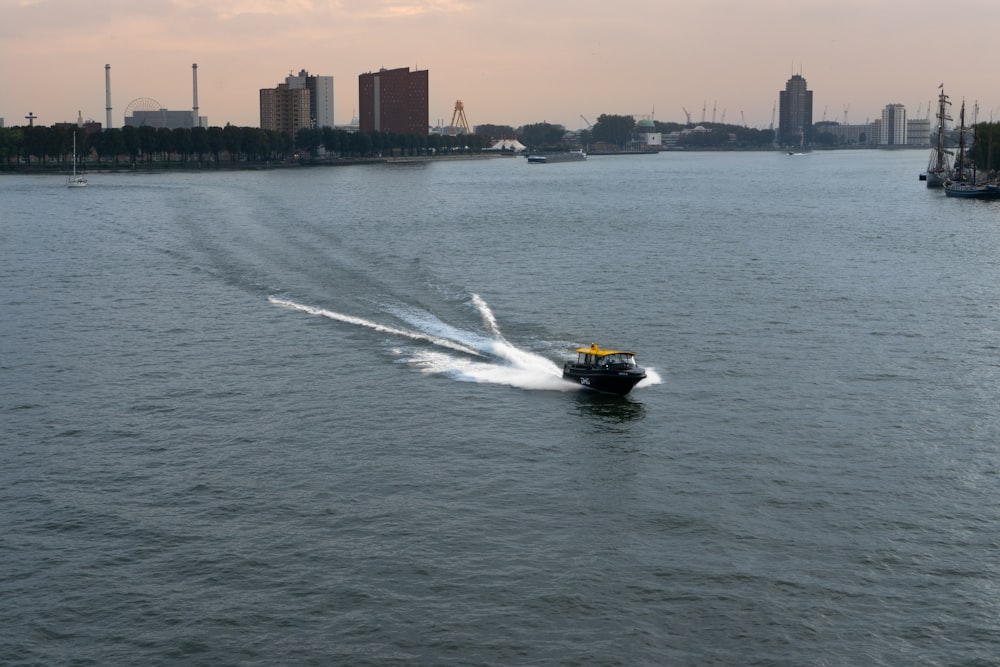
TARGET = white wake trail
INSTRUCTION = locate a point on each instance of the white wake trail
(375, 326)
(485, 357)
(488, 318)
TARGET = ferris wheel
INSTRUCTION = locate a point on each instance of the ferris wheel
(142, 104)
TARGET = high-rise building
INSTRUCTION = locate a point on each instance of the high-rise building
(918, 131)
(394, 100)
(892, 131)
(284, 109)
(302, 101)
(320, 96)
(795, 111)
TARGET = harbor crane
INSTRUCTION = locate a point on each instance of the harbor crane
(688, 115)
(590, 125)
(458, 120)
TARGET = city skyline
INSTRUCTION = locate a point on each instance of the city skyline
(514, 64)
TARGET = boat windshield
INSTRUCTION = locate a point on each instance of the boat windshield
(619, 360)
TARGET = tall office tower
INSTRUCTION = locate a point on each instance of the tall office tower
(284, 109)
(394, 100)
(892, 131)
(320, 96)
(795, 112)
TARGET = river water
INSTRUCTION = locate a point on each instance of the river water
(315, 417)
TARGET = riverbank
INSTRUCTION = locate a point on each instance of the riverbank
(225, 165)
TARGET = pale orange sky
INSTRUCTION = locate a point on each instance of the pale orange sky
(510, 61)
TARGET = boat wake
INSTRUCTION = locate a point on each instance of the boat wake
(461, 354)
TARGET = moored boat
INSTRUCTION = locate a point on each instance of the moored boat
(967, 190)
(964, 182)
(75, 181)
(571, 156)
(939, 167)
(609, 371)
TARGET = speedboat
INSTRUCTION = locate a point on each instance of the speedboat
(609, 371)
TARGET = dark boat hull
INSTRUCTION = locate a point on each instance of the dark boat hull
(970, 191)
(607, 381)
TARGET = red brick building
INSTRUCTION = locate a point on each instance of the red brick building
(393, 100)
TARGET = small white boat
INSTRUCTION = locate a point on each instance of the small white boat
(75, 181)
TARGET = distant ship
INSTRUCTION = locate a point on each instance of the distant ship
(544, 158)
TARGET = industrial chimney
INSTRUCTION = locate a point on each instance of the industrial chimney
(194, 83)
(107, 90)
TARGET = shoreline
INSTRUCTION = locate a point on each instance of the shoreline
(266, 165)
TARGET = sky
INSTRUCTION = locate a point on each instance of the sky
(511, 62)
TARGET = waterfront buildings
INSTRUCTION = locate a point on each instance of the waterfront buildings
(320, 96)
(302, 101)
(394, 100)
(284, 109)
(647, 136)
(918, 131)
(892, 129)
(168, 118)
(795, 108)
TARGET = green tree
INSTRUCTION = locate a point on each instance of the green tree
(147, 142)
(986, 146)
(215, 142)
(542, 136)
(199, 142)
(494, 132)
(164, 143)
(11, 143)
(232, 140)
(309, 139)
(182, 142)
(111, 144)
(614, 129)
(331, 139)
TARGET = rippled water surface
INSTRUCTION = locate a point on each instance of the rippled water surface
(315, 417)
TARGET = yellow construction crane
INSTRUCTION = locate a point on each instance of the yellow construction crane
(458, 120)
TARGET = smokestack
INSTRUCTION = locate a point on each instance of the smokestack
(107, 90)
(194, 83)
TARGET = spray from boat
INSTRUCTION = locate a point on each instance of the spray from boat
(452, 351)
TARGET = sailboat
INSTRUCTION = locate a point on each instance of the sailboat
(75, 181)
(939, 169)
(964, 180)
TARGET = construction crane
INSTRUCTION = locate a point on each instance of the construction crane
(688, 115)
(590, 125)
(458, 120)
